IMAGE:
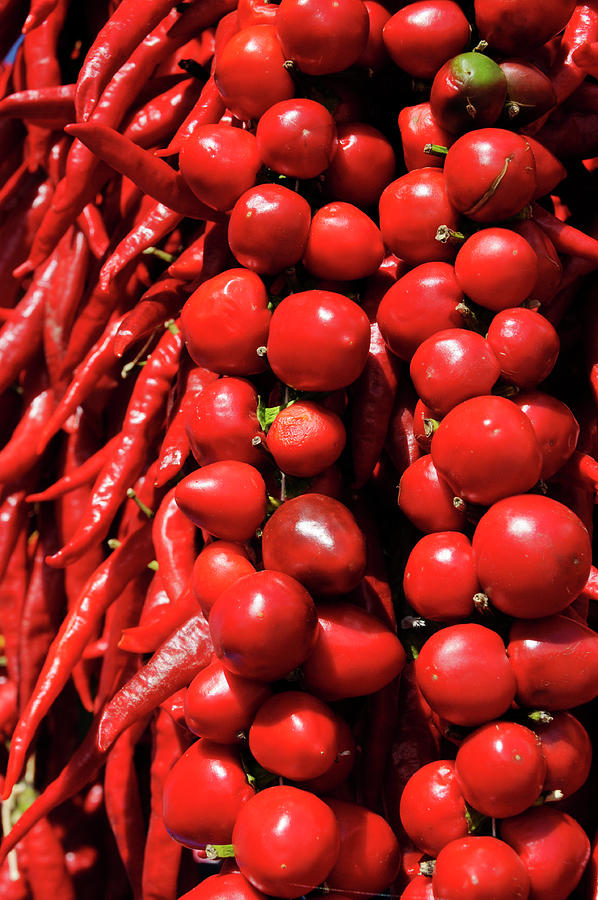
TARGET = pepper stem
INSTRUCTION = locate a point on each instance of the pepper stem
(220, 851)
(435, 149)
(446, 234)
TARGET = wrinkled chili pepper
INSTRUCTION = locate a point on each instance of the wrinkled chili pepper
(154, 122)
(77, 477)
(141, 424)
(123, 803)
(147, 638)
(92, 225)
(20, 454)
(98, 362)
(172, 667)
(119, 37)
(41, 612)
(152, 175)
(153, 227)
(106, 583)
(175, 446)
(47, 873)
(162, 301)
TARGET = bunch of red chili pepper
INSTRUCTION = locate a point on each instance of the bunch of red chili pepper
(261, 263)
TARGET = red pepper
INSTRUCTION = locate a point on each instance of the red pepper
(154, 122)
(174, 664)
(20, 454)
(12, 15)
(162, 855)
(373, 400)
(124, 614)
(47, 873)
(565, 238)
(38, 12)
(98, 362)
(148, 637)
(142, 422)
(41, 613)
(401, 443)
(92, 225)
(175, 446)
(208, 255)
(53, 105)
(173, 535)
(76, 477)
(13, 587)
(148, 232)
(154, 177)
(104, 586)
(582, 29)
(162, 301)
(119, 37)
(208, 110)
(123, 803)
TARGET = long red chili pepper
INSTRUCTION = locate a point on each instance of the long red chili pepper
(163, 300)
(208, 110)
(148, 232)
(45, 864)
(13, 587)
(123, 803)
(154, 122)
(13, 518)
(152, 175)
(175, 446)
(98, 362)
(55, 102)
(77, 477)
(161, 857)
(121, 34)
(174, 542)
(41, 611)
(205, 257)
(171, 667)
(168, 617)
(372, 405)
(124, 614)
(76, 630)
(565, 238)
(20, 454)
(142, 421)
(92, 225)
(39, 10)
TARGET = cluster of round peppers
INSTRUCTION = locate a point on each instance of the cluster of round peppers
(261, 263)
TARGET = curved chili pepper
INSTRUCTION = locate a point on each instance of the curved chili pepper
(401, 443)
(142, 421)
(62, 303)
(47, 873)
(154, 122)
(154, 177)
(115, 42)
(582, 29)
(13, 586)
(76, 478)
(17, 233)
(168, 617)
(371, 408)
(98, 362)
(565, 238)
(54, 102)
(162, 301)
(176, 447)
(13, 518)
(91, 223)
(174, 664)
(208, 110)
(41, 611)
(104, 586)
(38, 12)
(208, 255)
(125, 614)
(20, 454)
(174, 542)
(123, 803)
(161, 857)
(149, 231)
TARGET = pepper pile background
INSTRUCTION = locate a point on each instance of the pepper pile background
(103, 362)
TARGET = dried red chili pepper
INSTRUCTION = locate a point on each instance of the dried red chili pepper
(148, 232)
(141, 424)
(106, 583)
(162, 301)
(154, 177)
(171, 667)
(176, 446)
